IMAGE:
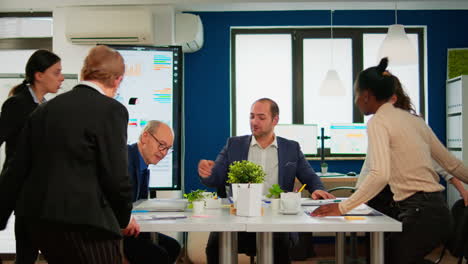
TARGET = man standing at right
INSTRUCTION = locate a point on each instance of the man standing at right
(69, 179)
(282, 161)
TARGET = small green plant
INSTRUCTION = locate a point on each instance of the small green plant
(195, 195)
(323, 165)
(245, 172)
(275, 191)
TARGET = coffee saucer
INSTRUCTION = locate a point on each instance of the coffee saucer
(289, 212)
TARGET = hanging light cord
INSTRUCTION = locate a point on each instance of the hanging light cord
(331, 36)
(396, 17)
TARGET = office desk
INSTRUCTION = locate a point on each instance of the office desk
(272, 222)
(219, 220)
(214, 220)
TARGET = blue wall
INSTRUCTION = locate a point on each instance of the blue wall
(207, 71)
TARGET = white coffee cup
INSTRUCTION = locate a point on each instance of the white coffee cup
(290, 202)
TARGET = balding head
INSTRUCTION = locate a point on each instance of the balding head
(155, 141)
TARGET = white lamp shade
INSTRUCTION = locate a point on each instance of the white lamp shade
(397, 47)
(332, 85)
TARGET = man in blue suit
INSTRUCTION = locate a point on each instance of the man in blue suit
(282, 161)
(154, 144)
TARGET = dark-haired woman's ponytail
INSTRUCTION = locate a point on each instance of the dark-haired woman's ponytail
(16, 89)
(383, 64)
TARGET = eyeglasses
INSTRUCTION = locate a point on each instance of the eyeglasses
(161, 146)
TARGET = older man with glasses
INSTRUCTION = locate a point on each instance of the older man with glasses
(154, 144)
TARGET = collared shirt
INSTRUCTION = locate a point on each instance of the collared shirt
(35, 97)
(401, 149)
(92, 85)
(268, 159)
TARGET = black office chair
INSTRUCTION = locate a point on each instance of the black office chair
(457, 242)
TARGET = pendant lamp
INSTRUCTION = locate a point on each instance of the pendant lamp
(332, 85)
(397, 46)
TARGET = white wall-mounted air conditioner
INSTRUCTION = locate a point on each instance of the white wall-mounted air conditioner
(188, 32)
(110, 26)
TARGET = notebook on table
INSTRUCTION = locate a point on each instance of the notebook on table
(161, 205)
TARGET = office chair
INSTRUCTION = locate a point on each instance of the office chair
(457, 242)
(349, 188)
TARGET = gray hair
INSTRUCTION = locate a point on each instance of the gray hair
(151, 127)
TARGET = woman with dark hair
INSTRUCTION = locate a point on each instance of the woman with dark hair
(43, 75)
(382, 201)
(401, 149)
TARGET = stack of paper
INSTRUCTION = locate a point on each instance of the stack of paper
(147, 217)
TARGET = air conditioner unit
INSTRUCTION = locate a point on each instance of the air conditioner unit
(188, 32)
(109, 26)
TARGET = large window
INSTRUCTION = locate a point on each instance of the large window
(290, 64)
(262, 70)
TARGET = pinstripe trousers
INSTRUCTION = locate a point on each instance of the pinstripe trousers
(76, 247)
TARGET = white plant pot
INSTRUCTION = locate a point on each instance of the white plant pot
(248, 198)
(198, 207)
(324, 170)
(275, 205)
(212, 203)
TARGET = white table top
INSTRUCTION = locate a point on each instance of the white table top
(276, 222)
(219, 220)
(212, 220)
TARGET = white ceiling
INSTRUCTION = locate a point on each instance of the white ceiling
(238, 5)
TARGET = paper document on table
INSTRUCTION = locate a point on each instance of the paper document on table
(147, 217)
(311, 202)
(361, 210)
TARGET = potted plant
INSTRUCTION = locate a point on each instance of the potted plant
(246, 180)
(324, 167)
(211, 200)
(196, 200)
(274, 194)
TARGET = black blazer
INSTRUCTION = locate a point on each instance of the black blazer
(135, 175)
(15, 111)
(71, 165)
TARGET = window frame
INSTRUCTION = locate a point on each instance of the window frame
(298, 34)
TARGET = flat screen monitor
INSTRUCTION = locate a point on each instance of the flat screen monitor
(348, 138)
(152, 90)
(305, 135)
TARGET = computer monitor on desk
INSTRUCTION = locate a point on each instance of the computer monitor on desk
(305, 135)
(348, 138)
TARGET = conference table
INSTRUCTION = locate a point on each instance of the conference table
(221, 220)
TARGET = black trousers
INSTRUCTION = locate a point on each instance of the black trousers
(246, 243)
(142, 250)
(382, 202)
(426, 225)
(26, 251)
(75, 244)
